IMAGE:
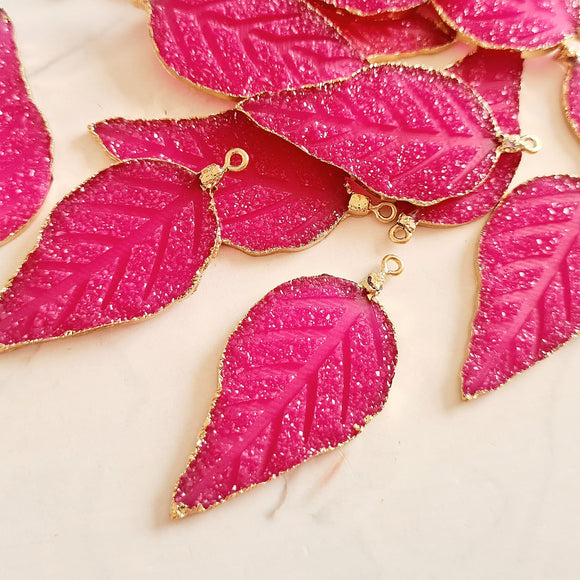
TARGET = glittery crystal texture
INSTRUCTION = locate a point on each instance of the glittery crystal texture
(496, 76)
(412, 31)
(310, 364)
(25, 156)
(521, 25)
(404, 132)
(571, 96)
(122, 246)
(284, 199)
(529, 302)
(249, 46)
(375, 6)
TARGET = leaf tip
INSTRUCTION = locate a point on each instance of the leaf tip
(178, 510)
(469, 395)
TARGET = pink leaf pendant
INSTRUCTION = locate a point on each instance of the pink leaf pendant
(307, 368)
(284, 200)
(496, 76)
(521, 25)
(25, 174)
(571, 90)
(415, 31)
(529, 303)
(124, 245)
(249, 47)
(406, 133)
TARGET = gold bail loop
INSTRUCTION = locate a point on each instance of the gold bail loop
(517, 143)
(403, 230)
(211, 175)
(385, 211)
(391, 265)
(360, 205)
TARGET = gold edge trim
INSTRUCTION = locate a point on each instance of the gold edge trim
(141, 4)
(565, 103)
(536, 51)
(194, 281)
(390, 57)
(477, 304)
(180, 510)
(320, 237)
(442, 72)
(356, 12)
(93, 132)
(24, 79)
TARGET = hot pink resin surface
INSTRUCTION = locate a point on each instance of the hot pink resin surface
(461, 210)
(407, 32)
(572, 96)
(375, 6)
(284, 199)
(123, 245)
(406, 133)
(496, 76)
(529, 302)
(306, 368)
(25, 156)
(520, 25)
(249, 46)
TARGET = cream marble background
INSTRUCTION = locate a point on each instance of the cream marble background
(94, 430)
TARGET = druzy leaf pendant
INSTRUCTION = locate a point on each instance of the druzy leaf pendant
(122, 246)
(306, 369)
(247, 47)
(25, 156)
(403, 132)
(529, 260)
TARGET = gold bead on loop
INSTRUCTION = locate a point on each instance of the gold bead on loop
(403, 230)
(211, 175)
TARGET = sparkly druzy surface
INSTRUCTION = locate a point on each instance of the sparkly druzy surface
(306, 368)
(24, 142)
(572, 96)
(121, 246)
(529, 302)
(483, 199)
(249, 46)
(405, 132)
(407, 32)
(521, 25)
(283, 199)
(496, 76)
(375, 6)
